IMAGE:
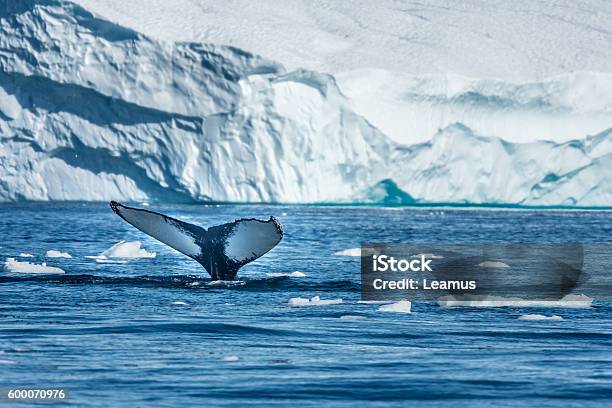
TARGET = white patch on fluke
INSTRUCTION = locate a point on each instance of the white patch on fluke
(314, 301)
(250, 239)
(161, 228)
(403, 306)
(15, 266)
(57, 254)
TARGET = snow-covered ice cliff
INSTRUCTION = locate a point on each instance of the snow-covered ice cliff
(90, 110)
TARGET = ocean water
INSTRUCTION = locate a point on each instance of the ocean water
(112, 335)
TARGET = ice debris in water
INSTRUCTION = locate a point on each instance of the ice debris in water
(57, 254)
(352, 317)
(536, 317)
(493, 264)
(231, 358)
(349, 252)
(180, 303)
(15, 266)
(427, 255)
(125, 249)
(568, 301)
(25, 255)
(294, 274)
(403, 306)
(314, 301)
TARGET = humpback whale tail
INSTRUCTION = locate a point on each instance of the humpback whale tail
(221, 249)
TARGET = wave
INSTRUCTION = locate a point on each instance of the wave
(190, 282)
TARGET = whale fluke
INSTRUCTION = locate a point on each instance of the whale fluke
(221, 249)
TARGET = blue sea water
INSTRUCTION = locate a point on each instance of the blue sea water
(111, 335)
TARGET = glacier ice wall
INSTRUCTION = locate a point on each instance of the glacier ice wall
(93, 111)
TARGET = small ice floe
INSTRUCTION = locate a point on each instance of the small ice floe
(7, 362)
(284, 214)
(294, 274)
(375, 302)
(349, 252)
(57, 254)
(125, 250)
(493, 264)
(231, 358)
(427, 255)
(353, 317)
(109, 261)
(25, 255)
(568, 301)
(403, 306)
(536, 317)
(179, 303)
(15, 266)
(313, 301)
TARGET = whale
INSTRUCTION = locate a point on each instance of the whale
(221, 249)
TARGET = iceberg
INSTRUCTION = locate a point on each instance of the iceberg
(91, 110)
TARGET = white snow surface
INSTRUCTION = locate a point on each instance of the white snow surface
(15, 266)
(508, 104)
(518, 40)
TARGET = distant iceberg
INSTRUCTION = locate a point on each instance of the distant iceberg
(81, 128)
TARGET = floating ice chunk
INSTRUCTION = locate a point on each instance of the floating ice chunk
(295, 274)
(109, 261)
(493, 264)
(349, 252)
(535, 317)
(568, 301)
(25, 255)
(427, 255)
(314, 301)
(15, 266)
(125, 249)
(375, 302)
(403, 306)
(352, 317)
(7, 362)
(57, 254)
(180, 303)
(231, 358)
